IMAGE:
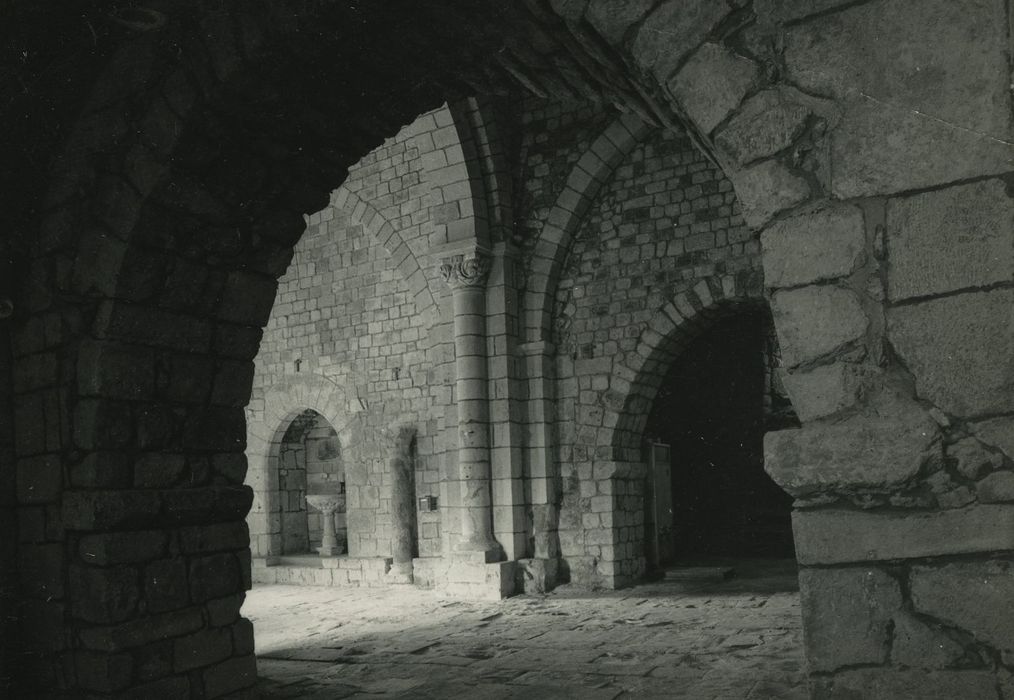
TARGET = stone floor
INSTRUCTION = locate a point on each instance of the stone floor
(738, 638)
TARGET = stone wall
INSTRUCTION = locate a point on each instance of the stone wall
(664, 221)
(9, 583)
(356, 308)
(164, 180)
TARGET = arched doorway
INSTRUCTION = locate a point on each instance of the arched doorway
(705, 448)
(309, 463)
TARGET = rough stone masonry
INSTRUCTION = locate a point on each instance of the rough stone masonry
(216, 219)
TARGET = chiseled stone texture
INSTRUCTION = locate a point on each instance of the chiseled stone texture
(892, 684)
(672, 30)
(809, 248)
(973, 459)
(998, 432)
(767, 188)
(916, 116)
(975, 596)
(915, 152)
(847, 615)
(844, 536)
(927, 233)
(823, 390)
(765, 124)
(787, 10)
(712, 83)
(952, 346)
(918, 645)
(813, 322)
(997, 487)
(880, 447)
(612, 18)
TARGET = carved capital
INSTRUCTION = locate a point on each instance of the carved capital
(465, 271)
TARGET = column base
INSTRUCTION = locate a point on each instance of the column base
(471, 578)
(537, 575)
(488, 550)
(400, 573)
(330, 551)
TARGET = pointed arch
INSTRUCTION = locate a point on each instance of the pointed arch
(586, 178)
(374, 223)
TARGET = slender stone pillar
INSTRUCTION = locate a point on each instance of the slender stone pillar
(467, 274)
(399, 461)
(328, 505)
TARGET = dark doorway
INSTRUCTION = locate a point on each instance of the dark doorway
(712, 410)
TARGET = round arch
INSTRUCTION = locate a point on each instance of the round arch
(282, 404)
(637, 376)
(113, 349)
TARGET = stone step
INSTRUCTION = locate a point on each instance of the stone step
(698, 573)
(310, 560)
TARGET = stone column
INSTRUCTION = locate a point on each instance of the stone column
(402, 469)
(467, 274)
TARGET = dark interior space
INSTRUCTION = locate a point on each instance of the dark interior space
(713, 409)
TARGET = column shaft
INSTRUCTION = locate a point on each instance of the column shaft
(466, 275)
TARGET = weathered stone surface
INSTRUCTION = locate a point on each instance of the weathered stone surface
(571, 10)
(973, 459)
(612, 18)
(847, 615)
(913, 116)
(104, 595)
(767, 123)
(823, 390)
(877, 448)
(892, 684)
(778, 11)
(915, 152)
(712, 83)
(815, 321)
(998, 487)
(911, 57)
(673, 30)
(928, 232)
(918, 645)
(767, 188)
(812, 247)
(840, 536)
(951, 345)
(122, 547)
(998, 432)
(976, 596)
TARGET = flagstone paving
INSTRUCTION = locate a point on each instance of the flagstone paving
(739, 638)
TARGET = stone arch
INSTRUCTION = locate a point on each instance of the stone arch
(477, 120)
(391, 239)
(92, 403)
(637, 376)
(590, 172)
(283, 403)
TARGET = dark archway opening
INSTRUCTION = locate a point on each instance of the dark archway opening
(718, 399)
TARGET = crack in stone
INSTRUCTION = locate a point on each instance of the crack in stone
(939, 120)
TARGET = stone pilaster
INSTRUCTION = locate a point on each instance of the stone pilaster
(467, 273)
